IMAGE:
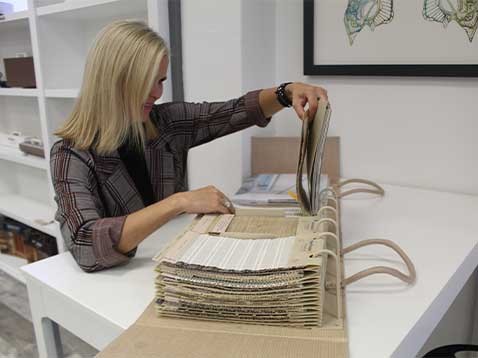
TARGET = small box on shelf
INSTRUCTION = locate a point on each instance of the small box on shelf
(32, 146)
(20, 72)
(22, 149)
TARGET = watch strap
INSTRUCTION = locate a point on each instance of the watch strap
(282, 96)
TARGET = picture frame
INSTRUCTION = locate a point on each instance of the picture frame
(313, 68)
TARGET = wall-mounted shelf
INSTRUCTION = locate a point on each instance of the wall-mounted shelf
(29, 212)
(17, 156)
(20, 92)
(62, 93)
(16, 16)
(91, 9)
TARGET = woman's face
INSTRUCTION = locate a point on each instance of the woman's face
(157, 90)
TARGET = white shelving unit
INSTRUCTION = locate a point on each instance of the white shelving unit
(62, 93)
(19, 92)
(20, 15)
(58, 35)
(97, 9)
(17, 156)
(32, 213)
(11, 265)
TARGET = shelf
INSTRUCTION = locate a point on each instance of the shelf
(16, 16)
(20, 92)
(91, 9)
(44, 30)
(17, 156)
(11, 265)
(62, 93)
(28, 211)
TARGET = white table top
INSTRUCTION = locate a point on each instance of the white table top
(439, 231)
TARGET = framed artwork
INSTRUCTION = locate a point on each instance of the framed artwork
(391, 37)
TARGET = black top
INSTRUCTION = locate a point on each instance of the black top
(135, 163)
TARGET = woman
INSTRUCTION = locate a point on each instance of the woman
(119, 170)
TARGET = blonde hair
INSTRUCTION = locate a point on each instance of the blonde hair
(120, 71)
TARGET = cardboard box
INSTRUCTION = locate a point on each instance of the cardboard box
(20, 72)
(157, 337)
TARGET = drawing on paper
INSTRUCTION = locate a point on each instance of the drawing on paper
(362, 13)
(464, 12)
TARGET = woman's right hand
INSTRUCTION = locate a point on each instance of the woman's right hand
(205, 200)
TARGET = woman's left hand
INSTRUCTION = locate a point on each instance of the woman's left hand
(301, 94)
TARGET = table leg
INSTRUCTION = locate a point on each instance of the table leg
(47, 333)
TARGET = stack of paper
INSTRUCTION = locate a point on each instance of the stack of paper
(256, 269)
(240, 280)
(312, 145)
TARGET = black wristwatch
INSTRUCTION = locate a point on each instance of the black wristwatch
(282, 96)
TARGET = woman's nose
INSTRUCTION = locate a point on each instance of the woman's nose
(156, 93)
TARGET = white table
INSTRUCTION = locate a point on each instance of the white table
(386, 318)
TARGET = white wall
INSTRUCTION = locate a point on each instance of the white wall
(224, 47)
(418, 132)
(212, 72)
(258, 62)
(18, 5)
(415, 132)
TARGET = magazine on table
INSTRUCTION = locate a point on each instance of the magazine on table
(271, 190)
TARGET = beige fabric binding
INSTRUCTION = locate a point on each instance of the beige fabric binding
(339, 295)
(331, 235)
(410, 278)
(378, 189)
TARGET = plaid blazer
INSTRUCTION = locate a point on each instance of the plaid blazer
(95, 193)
